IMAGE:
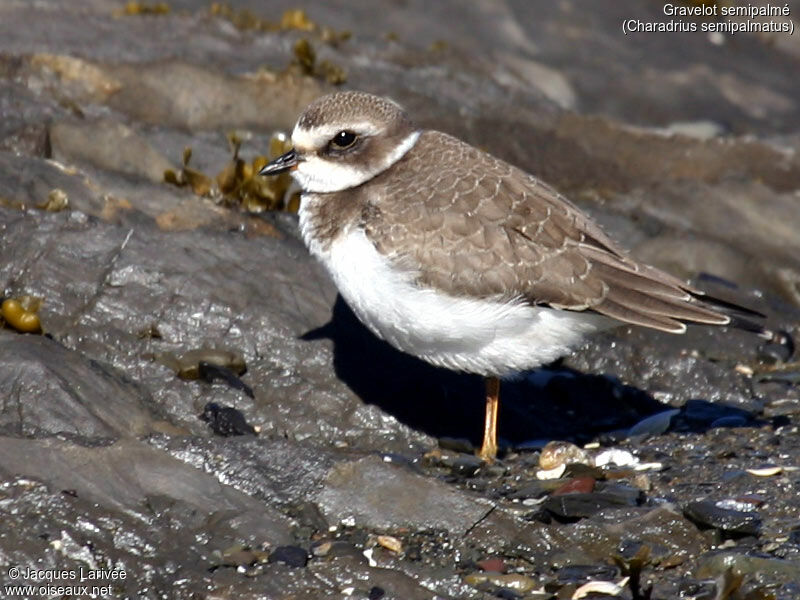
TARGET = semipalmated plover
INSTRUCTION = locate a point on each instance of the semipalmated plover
(461, 259)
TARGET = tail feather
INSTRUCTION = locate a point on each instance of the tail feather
(742, 318)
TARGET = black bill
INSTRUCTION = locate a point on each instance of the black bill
(285, 162)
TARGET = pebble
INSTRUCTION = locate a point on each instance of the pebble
(390, 543)
(700, 414)
(226, 420)
(531, 489)
(556, 453)
(707, 513)
(713, 565)
(766, 471)
(512, 581)
(642, 481)
(578, 485)
(650, 466)
(336, 549)
(466, 465)
(654, 424)
(608, 588)
(579, 573)
(368, 555)
(293, 556)
(554, 473)
(577, 506)
(581, 470)
(494, 564)
(729, 421)
(376, 593)
(615, 456)
(778, 351)
(241, 556)
(623, 493)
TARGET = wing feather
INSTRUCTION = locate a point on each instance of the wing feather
(483, 228)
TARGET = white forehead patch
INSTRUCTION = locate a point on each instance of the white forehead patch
(314, 138)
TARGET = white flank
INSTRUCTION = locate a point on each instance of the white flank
(479, 336)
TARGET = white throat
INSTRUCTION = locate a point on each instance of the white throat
(319, 175)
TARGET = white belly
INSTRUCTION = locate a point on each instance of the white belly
(477, 336)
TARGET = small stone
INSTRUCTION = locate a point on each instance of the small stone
(226, 420)
(729, 421)
(746, 370)
(531, 489)
(376, 593)
(293, 556)
(580, 470)
(512, 581)
(238, 555)
(320, 549)
(654, 424)
(715, 564)
(554, 473)
(368, 555)
(466, 465)
(766, 471)
(706, 513)
(494, 564)
(390, 543)
(649, 466)
(580, 573)
(615, 456)
(777, 351)
(608, 588)
(700, 414)
(578, 485)
(623, 493)
(578, 505)
(336, 549)
(556, 453)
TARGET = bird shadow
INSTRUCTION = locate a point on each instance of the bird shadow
(554, 402)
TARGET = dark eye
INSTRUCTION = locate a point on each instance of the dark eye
(343, 140)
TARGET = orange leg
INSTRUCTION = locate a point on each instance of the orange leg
(488, 451)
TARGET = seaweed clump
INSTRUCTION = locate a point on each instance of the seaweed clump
(239, 184)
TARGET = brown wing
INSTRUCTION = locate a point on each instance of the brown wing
(470, 224)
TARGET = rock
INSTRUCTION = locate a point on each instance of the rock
(336, 549)
(697, 414)
(716, 563)
(654, 424)
(51, 389)
(226, 420)
(577, 485)
(513, 581)
(371, 493)
(531, 489)
(582, 573)
(578, 505)
(108, 145)
(671, 538)
(292, 556)
(555, 454)
(731, 522)
(123, 475)
(117, 469)
(615, 456)
(494, 564)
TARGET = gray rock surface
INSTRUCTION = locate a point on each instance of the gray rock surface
(684, 146)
